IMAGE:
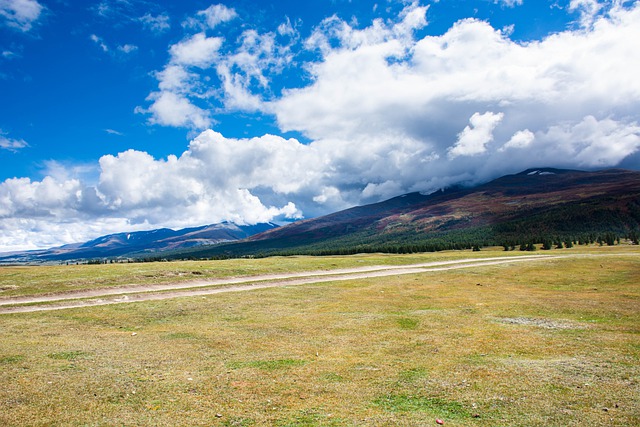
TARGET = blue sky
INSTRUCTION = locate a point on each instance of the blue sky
(125, 115)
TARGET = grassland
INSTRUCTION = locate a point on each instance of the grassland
(553, 343)
(43, 280)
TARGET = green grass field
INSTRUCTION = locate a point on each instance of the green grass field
(553, 343)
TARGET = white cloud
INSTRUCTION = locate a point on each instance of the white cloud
(222, 75)
(395, 97)
(9, 54)
(127, 48)
(105, 9)
(157, 24)
(334, 29)
(179, 81)
(171, 105)
(150, 15)
(173, 109)
(286, 28)
(377, 87)
(247, 66)
(198, 50)
(176, 78)
(210, 17)
(594, 143)
(34, 233)
(508, 3)
(383, 190)
(236, 94)
(284, 165)
(210, 182)
(124, 49)
(20, 14)
(474, 138)
(520, 139)
(588, 10)
(11, 144)
(22, 197)
(100, 42)
(256, 53)
(217, 14)
(214, 180)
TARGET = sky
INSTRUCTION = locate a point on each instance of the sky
(126, 115)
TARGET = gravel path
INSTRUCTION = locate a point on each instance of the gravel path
(136, 293)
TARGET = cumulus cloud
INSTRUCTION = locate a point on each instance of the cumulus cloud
(216, 73)
(175, 78)
(20, 14)
(216, 14)
(474, 138)
(236, 94)
(595, 143)
(373, 85)
(520, 139)
(172, 109)
(213, 181)
(198, 50)
(171, 105)
(248, 66)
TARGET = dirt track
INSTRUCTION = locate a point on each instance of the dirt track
(137, 293)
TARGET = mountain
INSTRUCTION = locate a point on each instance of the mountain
(141, 243)
(533, 206)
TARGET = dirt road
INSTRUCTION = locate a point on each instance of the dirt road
(137, 293)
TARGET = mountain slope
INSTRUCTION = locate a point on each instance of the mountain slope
(536, 204)
(141, 242)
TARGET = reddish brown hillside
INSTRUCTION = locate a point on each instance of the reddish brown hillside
(503, 199)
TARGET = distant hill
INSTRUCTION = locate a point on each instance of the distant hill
(541, 205)
(537, 205)
(140, 243)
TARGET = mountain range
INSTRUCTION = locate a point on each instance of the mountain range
(140, 244)
(534, 206)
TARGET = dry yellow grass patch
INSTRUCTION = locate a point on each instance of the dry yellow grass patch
(553, 343)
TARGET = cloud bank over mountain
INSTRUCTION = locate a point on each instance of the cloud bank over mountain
(384, 109)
